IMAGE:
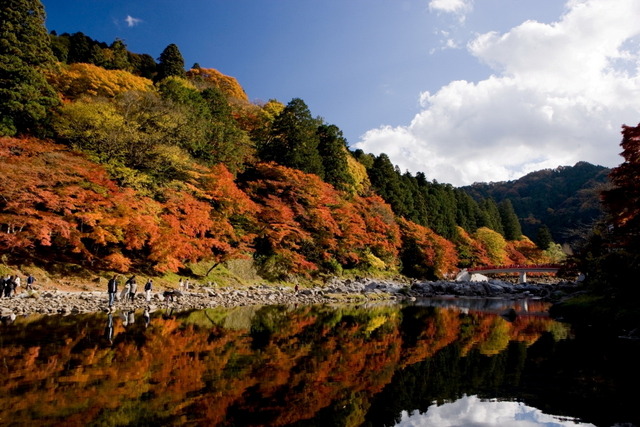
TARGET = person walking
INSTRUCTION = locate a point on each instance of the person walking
(112, 289)
(148, 287)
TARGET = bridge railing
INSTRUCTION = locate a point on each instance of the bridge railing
(532, 267)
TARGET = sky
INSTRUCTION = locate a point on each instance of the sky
(463, 90)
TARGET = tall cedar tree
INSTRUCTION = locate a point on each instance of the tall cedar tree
(543, 238)
(25, 96)
(170, 63)
(119, 58)
(386, 180)
(294, 140)
(491, 215)
(333, 149)
(510, 222)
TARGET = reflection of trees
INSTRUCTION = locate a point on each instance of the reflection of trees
(287, 365)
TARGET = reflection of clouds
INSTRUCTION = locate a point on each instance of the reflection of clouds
(471, 411)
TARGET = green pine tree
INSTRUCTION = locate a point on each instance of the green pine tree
(119, 58)
(510, 222)
(333, 149)
(293, 140)
(543, 238)
(170, 63)
(26, 98)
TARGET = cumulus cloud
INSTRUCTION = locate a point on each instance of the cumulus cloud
(558, 95)
(472, 411)
(131, 21)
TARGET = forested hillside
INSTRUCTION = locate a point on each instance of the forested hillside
(565, 199)
(115, 161)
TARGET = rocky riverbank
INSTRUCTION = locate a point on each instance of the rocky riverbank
(335, 291)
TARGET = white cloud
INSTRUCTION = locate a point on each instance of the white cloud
(472, 411)
(131, 21)
(450, 6)
(559, 95)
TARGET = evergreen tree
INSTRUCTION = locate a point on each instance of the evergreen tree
(490, 215)
(510, 222)
(170, 63)
(544, 239)
(467, 212)
(143, 64)
(25, 52)
(118, 58)
(441, 208)
(385, 179)
(80, 48)
(59, 46)
(416, 201)
(230, 144)
(333, 149)
(293, 140)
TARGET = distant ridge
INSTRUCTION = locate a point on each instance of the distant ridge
(564, 199)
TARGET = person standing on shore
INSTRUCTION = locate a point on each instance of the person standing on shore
(133, 288)
(30, 281)
(148, 287)
(8, 283)
(16, 285)
(124, 295)
(112, 289)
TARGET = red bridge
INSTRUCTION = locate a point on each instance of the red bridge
(521, 269)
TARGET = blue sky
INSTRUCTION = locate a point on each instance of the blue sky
(463, 90)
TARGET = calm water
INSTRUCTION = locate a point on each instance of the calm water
(436, 363)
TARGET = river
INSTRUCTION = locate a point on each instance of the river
(438, 362)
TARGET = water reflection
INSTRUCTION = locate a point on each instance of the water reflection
(303, 366)
(471, 411)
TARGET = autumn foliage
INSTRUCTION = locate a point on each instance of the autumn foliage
(59, 203)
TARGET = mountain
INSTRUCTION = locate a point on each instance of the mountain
(565, 199)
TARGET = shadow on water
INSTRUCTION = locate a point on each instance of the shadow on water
(310, 365)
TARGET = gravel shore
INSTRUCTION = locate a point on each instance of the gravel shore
(335, 291)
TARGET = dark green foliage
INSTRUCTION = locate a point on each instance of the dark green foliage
(543, 238)
(413, 260)
(170, 63)
(193, 115)
(365, 158)
(468, 213)
(59, 46)
(83, 49)
(79, 48)
(26, 98)
(119, 58)
(386, 181)
(333, 149)
(565, 199)
(490, 216)
(293, 140)
(416, 200)
(142, 65)
(441, 208)
(510, 223)
(230, 145)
